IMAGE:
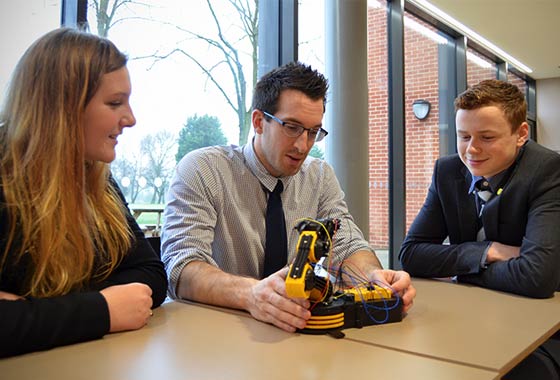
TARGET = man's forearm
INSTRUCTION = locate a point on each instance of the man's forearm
(365, 266)
(202, 282)
(360, 263)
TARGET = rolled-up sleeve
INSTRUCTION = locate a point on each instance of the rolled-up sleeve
(189, 218)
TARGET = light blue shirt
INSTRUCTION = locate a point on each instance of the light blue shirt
(216, 208)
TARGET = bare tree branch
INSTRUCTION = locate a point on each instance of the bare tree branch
(105, 14)
(227, 48)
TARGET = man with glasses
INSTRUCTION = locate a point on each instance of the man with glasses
(216, 225)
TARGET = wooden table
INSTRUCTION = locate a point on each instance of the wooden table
(468, 325)
(138, 209)
(189, 341)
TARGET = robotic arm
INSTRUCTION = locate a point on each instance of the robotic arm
(361, 305)
(314, 244)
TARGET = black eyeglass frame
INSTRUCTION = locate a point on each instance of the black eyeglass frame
(289, 129)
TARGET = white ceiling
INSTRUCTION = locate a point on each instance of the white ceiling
(528, 30)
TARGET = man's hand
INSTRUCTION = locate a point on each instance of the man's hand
(265, 299)
(399, 281)
(501, 252)
(367, 264)
(269, 302)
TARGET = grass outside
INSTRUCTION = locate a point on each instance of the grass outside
(149, 218)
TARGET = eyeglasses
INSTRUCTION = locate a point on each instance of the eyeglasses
(294, 130)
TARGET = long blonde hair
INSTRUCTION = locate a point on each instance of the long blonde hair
(64, 218)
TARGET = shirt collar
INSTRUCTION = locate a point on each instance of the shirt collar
(474, 180)
(257, 168)
(494, 182)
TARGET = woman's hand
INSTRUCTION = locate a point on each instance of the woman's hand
(9, 296)
(129, 305)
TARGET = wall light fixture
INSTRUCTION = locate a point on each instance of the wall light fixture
(421, 108)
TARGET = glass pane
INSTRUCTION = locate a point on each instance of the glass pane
(311, 44)
(519, 82)
(423, 45)
(192, 67)
(21, 23)
(522, 85)
(378, 130)
(311, 49)
(479, 67)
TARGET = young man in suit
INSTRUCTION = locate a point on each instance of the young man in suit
(492, 211)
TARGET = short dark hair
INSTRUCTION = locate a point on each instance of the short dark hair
(291, 76)
(493, 92)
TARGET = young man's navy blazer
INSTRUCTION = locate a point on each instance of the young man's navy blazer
(525, 213)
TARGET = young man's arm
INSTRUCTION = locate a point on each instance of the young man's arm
(501, 252)
(535, 270)
(423, 252)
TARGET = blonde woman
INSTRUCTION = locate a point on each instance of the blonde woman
(74, 264)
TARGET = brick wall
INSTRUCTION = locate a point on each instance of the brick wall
(422, 136)
(518, 82)
(378, 128)
(476, 73)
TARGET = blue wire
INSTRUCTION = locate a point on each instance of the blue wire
(367, 307)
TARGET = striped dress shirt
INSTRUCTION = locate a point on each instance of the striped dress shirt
(216, 206)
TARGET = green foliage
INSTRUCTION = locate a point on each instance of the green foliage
(317, 152)
(199, 132)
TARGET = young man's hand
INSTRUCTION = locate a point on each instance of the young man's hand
(501, 252)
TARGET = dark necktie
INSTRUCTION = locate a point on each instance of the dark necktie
(276, 246)
(484, 193)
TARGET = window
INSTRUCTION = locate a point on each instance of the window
(421, 45)
(311, 49)
(519, 82)
(479, 67)
(378, 129)
(183, 62)
(28, 20)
